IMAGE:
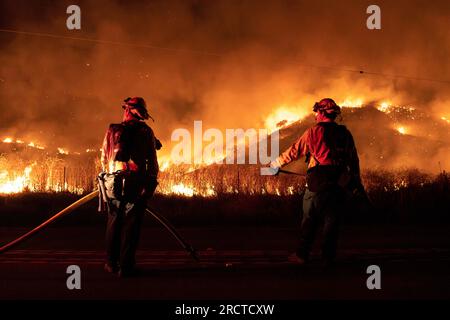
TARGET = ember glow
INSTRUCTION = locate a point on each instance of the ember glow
(164, 164)
(181, 189)
(402, 130)
(33, 145)
(62, 151)
(384, 107)
(352, 103)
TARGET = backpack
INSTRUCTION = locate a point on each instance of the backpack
(324, 177)
(120, 185)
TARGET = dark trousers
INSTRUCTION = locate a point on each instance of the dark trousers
(122, 234)
(321, 208)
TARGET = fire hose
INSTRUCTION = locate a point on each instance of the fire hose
(60, 214)
(186, 246)
(84, 200)
(290, 172)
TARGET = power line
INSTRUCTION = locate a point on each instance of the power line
(385, 75)
(404, 77)
(56, 36)
(100, 41)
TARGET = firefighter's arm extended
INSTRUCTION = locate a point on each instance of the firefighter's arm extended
(294, 152)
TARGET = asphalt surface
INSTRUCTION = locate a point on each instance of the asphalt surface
(235, 263)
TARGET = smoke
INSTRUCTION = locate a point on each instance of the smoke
(228, 63)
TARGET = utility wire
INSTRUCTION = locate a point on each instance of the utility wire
(392, 76)
(56, 36)
(100, 41)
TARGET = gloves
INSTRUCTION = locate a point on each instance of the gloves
(274, 168)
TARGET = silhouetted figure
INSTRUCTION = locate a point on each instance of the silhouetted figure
(333, 165)
(130, 170)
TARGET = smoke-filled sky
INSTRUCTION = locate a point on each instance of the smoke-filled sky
(229, 63)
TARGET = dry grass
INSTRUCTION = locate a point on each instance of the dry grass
(406, 196)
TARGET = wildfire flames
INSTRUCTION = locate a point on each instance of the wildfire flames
(189, 191)
(401, 130)
(17, 183)
(55, 174)
(352, 103)
(282, 117)
(18, 141)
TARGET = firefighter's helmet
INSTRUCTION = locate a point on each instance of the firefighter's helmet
(139, 106)
(327, 106)
(135, 102)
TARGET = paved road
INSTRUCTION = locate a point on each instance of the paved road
(236, 263)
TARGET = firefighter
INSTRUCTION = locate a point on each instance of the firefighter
(129, 179)
(333, 166)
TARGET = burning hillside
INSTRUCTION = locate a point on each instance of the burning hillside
(229, 64)
(387, 137)
(390, 137)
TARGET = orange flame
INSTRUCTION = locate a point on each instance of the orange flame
(16, 184)
(352, 103)
(284, 116)
(402, 130)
